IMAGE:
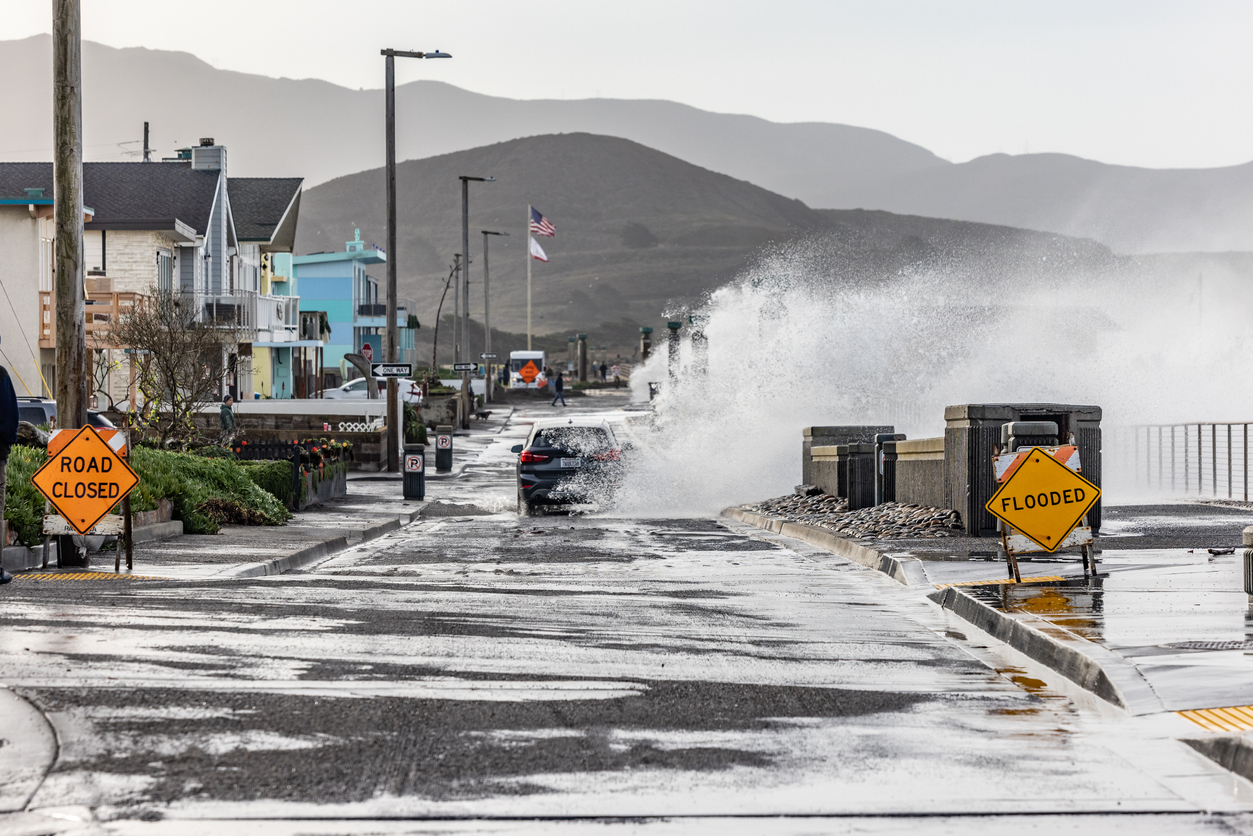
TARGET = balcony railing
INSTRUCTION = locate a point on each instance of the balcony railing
(101, 311)
(372, 310)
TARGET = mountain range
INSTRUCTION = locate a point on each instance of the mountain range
(641, 233)
(318, 130)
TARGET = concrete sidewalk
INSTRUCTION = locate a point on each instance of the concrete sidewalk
(1165, 626)
(374, 506)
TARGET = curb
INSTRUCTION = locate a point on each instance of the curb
(907, 571)
(1234, 754)
(318, 551)
(1088, 665)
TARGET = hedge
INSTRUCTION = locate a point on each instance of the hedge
(189, 481)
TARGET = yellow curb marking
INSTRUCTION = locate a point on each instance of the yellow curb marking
(1233, 718)
(85, 576)
(1041, 579)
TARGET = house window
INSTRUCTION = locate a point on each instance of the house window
(165, 270)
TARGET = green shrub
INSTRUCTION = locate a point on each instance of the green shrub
(189, 481)
(23, 505)
(273, 477)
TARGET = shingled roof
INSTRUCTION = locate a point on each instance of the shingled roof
(259, 205)
(127, 191)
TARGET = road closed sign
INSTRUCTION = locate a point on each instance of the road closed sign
(528, 372)
(84, 479)
(1043, 499)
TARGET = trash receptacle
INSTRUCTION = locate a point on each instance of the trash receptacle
(415, 471)
(443, 448)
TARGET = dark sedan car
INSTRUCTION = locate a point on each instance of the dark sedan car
(43, 411)
(567, 462)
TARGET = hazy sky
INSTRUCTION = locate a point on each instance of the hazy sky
(1162, 84)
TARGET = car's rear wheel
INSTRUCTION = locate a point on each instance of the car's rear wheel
(525, 508)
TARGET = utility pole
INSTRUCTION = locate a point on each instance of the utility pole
(465, 291)
(487, 312)
(395, 419)
(67, 128)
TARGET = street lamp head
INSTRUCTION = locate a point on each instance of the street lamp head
(490, 232)
(476, 179)
(437, 54)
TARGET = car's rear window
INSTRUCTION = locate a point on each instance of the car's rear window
(32, 415)
(581, 440)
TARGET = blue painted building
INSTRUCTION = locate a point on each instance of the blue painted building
(355, 306)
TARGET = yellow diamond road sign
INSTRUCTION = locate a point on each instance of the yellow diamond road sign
(1044, 499)
(85, 479)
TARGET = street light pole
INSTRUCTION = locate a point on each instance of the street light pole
(487, 311)
(464, 343)
(395, 420)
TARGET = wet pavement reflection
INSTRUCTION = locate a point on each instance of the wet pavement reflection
(1181, 617)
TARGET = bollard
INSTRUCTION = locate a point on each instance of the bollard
(443, 448)
(860, 475)
(646, 343)
(1248, 563)
(415, 471)
(674, 349)
(885, 466)
(580, 358)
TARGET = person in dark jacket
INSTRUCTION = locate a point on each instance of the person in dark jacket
(559, 383)
(8, 435)
(228, 419)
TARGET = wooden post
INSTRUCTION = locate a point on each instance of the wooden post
(67, 128)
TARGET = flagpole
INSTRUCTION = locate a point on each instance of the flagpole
(528, 277)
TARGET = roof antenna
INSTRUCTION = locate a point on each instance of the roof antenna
(147, 150)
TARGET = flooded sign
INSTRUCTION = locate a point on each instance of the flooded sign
(1043, 498)
(84, 479)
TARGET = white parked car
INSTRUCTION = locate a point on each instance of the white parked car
(410, 390)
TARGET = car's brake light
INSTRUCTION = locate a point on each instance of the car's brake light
(528, 456)
(608, 456)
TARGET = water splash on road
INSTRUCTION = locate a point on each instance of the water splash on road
(796, 341)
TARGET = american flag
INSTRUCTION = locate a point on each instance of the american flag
(541, 225)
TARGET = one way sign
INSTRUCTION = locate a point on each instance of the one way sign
(391, 369)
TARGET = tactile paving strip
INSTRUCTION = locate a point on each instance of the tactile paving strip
(1232, 718)
(84, 576)
(1041, 579)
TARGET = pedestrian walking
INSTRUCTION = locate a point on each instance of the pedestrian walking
(8, 435)
(227, 416)
(604, 372)
(617, 376)
(559, 387)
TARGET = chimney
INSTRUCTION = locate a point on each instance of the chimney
(208, 157)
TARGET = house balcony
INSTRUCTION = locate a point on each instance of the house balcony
(101, 310)
(374, 315)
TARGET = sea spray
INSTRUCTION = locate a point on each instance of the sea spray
(796, 342)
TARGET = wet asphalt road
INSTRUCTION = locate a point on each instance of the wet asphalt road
(478, 672)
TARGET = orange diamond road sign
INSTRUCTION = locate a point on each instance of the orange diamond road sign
(529, 372)
(84, 479)
(1044, 499)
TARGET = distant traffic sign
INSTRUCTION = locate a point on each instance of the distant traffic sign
(488, 356)
(84, 479)
(391, 369)
(465, 367)
(1043, 498)
(528, 372)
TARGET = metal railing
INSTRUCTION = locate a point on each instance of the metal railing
(1200, 459)
(237, 310)
(278, 313)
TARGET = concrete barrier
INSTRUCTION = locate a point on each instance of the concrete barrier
(830, 436)
(920, 472)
